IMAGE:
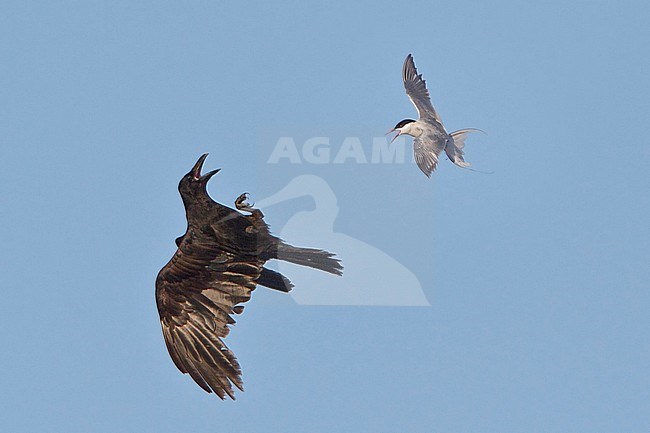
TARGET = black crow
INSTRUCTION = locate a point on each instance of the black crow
(219, 261)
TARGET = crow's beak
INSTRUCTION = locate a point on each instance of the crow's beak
(206, 177)
(196, 170)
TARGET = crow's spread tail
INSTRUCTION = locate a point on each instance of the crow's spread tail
(311, 257)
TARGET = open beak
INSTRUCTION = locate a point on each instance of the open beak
(196, 170)
(206, 177)
(393, 130)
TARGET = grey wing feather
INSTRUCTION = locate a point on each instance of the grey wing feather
(427, 149)
(416, 90)
(197, 293)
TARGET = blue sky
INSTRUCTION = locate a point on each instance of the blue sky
(537, 275)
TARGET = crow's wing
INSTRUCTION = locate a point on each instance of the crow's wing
(416, 90)
(197, 293)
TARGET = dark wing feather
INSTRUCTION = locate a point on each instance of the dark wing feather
(416, 90)
(197, 293)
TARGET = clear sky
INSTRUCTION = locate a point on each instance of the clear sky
(537, 276)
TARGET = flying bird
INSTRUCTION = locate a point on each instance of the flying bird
(219, 262)
(430, 135)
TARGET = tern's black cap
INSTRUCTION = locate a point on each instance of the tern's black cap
(404, 122)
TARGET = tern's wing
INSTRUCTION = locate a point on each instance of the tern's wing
(427, 147)
(416, 90)
(197, 293)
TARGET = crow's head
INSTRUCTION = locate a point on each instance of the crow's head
(193, 183)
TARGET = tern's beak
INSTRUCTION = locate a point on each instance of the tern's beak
(396, 135)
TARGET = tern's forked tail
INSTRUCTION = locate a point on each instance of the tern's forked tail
(460, 136)
(454, 149)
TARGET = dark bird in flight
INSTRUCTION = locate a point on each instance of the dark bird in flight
(430, 135)
(219, 261)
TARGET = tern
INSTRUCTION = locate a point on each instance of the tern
(430, 135)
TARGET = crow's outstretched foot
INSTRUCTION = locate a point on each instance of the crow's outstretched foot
(242, 204)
